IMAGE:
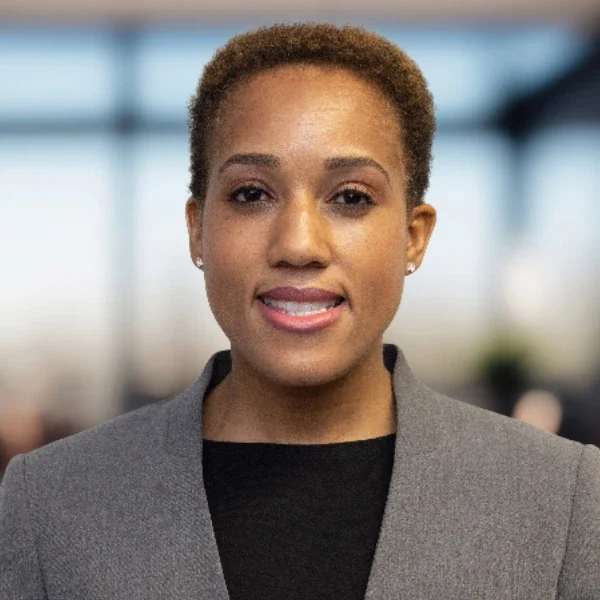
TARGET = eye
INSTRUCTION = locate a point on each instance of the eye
(354, 198)
(249, 194)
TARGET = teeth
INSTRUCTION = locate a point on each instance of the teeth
(300, 308)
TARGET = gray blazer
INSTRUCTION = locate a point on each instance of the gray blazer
(479, 506)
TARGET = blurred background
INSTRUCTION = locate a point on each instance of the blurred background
(101, 308)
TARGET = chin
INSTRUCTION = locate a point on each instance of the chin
(298, 368)
(297, 377)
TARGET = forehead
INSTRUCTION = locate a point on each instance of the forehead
(307, 108)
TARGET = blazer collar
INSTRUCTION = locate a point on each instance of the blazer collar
(414, 434)
(406, 524)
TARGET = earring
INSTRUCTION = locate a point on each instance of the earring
(199, 263)
(411, 267)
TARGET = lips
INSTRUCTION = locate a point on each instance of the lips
(301, 310)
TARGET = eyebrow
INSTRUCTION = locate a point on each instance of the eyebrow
(272, 162)
(341, 162)
(259, 160)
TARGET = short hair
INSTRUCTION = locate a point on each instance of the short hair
(366, 54)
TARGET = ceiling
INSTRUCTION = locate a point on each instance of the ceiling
(579, 13)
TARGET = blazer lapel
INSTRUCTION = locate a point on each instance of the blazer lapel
(397, 570)
(192, 538)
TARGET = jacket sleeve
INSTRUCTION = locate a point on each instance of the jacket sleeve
(580, 575)
(20, 575)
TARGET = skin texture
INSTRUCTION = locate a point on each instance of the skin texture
(302, 230)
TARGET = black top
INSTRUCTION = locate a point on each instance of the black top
(297, 521)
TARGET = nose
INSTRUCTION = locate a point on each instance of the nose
(300, 234)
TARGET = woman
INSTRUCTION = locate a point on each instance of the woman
(307, 461)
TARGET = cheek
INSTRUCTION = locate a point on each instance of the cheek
(378, 275)
(384, 284)
(232, 257)
(227, 243)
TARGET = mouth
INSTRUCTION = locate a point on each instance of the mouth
(300, 309)
(301, 317)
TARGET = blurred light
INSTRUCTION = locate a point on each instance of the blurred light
(57, 300)
(474, 72)
(562, 187)
(55, 230)
(169, 64)
(62, 74)
(538, 55)
(523, 287)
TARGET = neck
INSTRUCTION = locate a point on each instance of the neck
(248, 407)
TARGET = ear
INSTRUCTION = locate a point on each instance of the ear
(420, 227)
(193, 217)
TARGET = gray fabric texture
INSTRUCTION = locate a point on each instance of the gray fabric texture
(480, 506)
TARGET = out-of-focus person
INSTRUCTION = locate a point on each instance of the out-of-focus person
(21, 430)
(25, 427)
(541, 409)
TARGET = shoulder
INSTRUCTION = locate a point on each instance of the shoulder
(473, 424)
(513, 447)
(429, 421)
(114, 447)
(539, 482)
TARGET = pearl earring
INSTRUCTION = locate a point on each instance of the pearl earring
(199, 263)
(411, 267)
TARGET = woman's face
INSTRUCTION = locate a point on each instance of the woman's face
(306, 188)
